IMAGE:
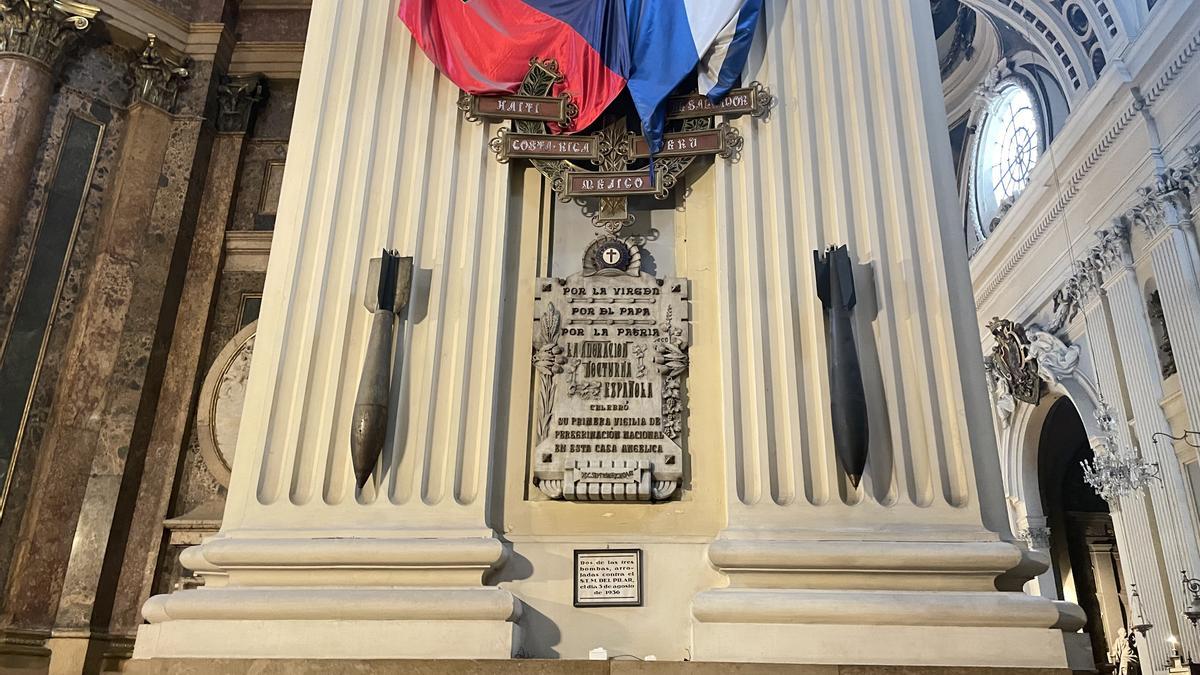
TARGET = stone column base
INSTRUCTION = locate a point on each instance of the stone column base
(330, 639)
(960, 650)
(23, 652)
(883, 603)
(335, 599)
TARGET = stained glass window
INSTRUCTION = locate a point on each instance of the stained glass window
(1009, 145)
(1012, 142)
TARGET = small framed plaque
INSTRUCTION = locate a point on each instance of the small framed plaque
(608, 578)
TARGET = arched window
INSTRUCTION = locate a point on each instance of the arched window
(1009, 145)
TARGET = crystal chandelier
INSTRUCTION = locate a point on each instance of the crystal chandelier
(1116, 471)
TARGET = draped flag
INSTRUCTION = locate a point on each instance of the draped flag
(670, 38)
(726, 59)
(485, 46)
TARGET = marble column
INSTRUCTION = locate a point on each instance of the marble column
(1165, 219)
(1140, 373)
(818, 571)
(93, 450)
(236, 98)
(34, 40)
(305, 566)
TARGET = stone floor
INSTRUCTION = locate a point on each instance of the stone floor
(537, 667)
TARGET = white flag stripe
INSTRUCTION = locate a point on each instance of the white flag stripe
(707, 18)
(710, 65)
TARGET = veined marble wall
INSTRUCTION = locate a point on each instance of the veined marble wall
(91, 483)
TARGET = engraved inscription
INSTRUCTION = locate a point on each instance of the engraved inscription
(534, 108)
(610, 354)
(608, 578)
(583, 184)
(545, 145)
(737, 102)
(684, 144)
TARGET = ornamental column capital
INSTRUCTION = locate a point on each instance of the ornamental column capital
(236, 98)
(43, 30)
(157, 77)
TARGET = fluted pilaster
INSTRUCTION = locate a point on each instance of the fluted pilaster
(1171, 242)
(849, 155)
(1132, 517)
(855, 152)
(379, 157)
(1138, 359)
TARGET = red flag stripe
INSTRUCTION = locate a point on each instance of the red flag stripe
(484, 46)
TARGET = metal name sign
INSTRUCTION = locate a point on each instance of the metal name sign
(745, 101)
(611, 349)
(558, 110)
(610, 342)
(547, 146)
(614, 155)
(608, 578)
(708, 142)
(612, 183)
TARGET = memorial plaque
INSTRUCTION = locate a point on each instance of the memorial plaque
(539, 146)
(743, 101)
(610, 352)
(608, 578)
(611, 183)
(684, 144)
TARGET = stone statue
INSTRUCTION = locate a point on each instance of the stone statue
(1055, 359)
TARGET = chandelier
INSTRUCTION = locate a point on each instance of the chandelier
(1116, 471)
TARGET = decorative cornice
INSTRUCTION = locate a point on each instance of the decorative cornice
(43, 30)
(1089, 273)
(1071, 187)
(236, 98)
(276, 60)
(1167, 203)
(157, 78)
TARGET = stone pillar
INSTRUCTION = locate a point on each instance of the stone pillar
(236, 98)
(1108, 591)
(1165, 219)
(1132, 520)
(305, 566)
(818, 571)
(74, 528)
(1143, 382)
(34, 39)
